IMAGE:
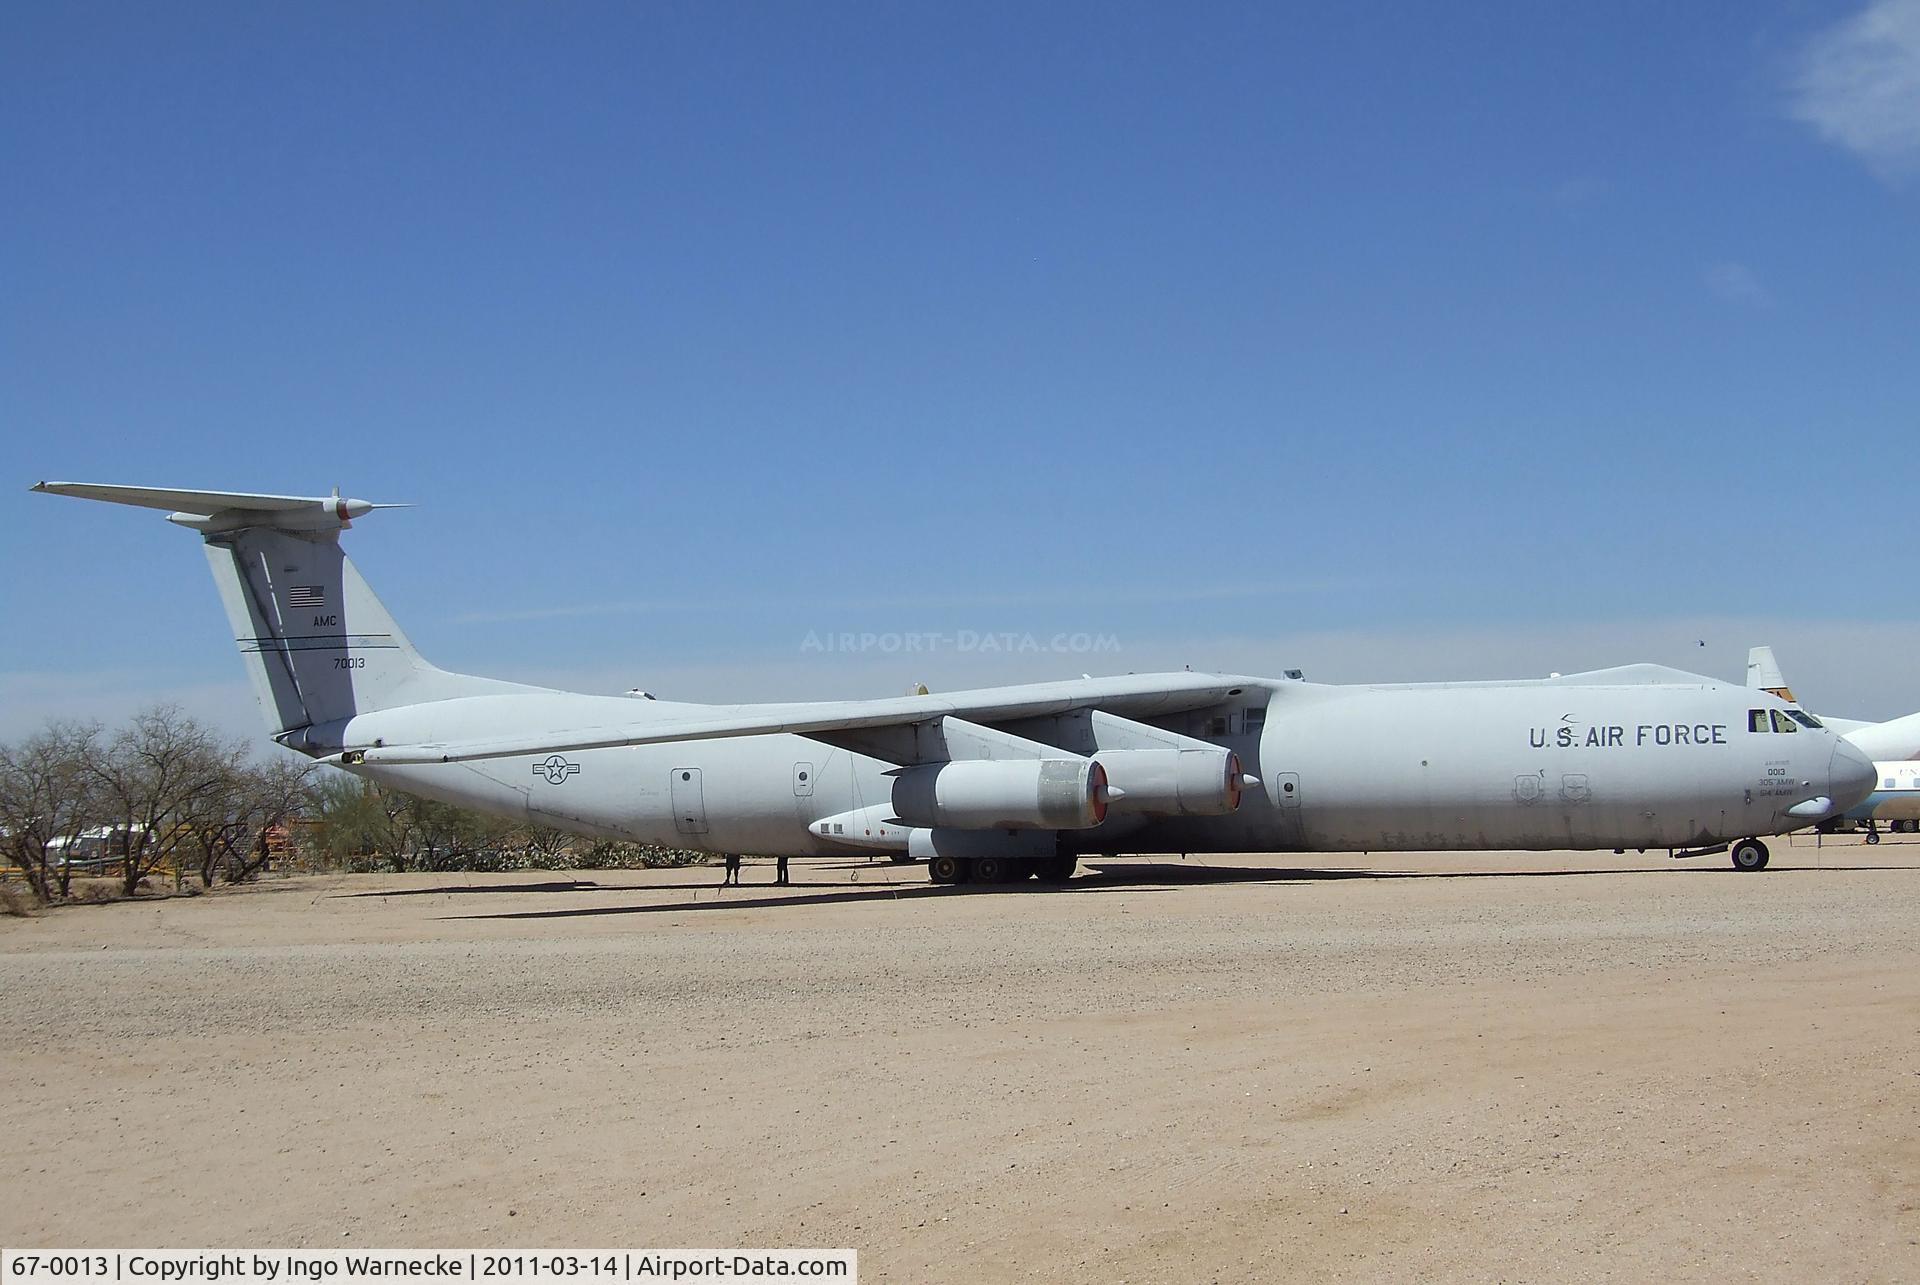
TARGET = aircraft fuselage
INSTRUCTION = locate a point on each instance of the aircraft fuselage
(1377, 768)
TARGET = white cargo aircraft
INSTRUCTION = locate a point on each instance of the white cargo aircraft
(1001, 784)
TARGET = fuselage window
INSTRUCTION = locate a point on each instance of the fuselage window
(1756, 720)
(1781, 723)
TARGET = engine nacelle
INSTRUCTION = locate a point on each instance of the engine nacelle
(1171, 782)
(990, 794)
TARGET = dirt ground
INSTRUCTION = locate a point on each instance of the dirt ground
(1518, 1067)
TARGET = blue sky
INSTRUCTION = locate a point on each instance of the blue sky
(1392, 342)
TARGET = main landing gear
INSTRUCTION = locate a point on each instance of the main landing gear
(1003, 870)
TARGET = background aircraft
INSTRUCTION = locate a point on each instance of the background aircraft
(1002, 784)
(1892, 745)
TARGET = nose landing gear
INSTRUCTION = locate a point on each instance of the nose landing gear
(1749, 854)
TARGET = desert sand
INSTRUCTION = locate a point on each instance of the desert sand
(1485, 1066)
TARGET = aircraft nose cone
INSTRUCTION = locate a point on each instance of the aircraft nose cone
(1851, 777)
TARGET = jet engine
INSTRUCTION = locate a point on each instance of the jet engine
(1175, 782)
(980, 794)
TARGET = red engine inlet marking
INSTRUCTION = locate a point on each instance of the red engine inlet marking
(1097, 787)
(1233, 781)
(340, 509)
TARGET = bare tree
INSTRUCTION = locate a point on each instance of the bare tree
(153, 777)
(363, 823)
(282, 792)
(233, 824)
(47, 801)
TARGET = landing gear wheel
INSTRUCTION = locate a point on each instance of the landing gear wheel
(948, 870)
(1873, 836)
(993, 869)
(1750, 854)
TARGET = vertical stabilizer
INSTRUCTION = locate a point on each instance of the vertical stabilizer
(1763, 673)
(318, 646)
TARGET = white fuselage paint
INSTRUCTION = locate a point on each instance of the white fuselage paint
(1378, 768)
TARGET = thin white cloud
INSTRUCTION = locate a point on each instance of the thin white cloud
(1737, 283)
(1120, 596)
(571, 611)
(1858, 85)
(30, 700)
(1852, 668)
(1840, 666)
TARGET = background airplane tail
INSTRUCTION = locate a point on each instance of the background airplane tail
(1883, 742)
(1763, 673)
(318, 645)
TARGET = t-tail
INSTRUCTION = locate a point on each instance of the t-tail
(317, 644)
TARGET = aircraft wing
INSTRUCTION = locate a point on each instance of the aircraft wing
(1135, 695)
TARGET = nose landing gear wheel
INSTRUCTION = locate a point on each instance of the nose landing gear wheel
(1750, 854)
(1873, 836)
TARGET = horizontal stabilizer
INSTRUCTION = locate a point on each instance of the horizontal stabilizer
(215, 511)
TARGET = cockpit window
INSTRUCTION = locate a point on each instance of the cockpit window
(1781, 723)
(1803, 718)
(1756, 720)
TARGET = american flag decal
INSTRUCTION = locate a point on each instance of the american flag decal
(306, 595)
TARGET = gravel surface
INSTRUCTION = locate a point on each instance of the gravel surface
(1512, 1066)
